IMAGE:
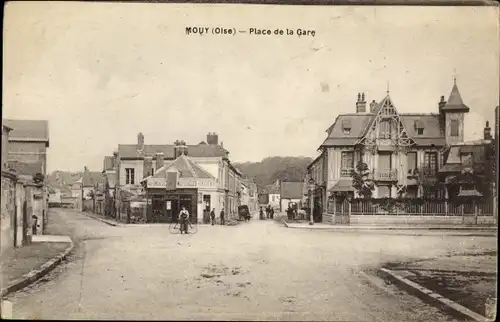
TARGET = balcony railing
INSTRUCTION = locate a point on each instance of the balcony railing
(386, 175)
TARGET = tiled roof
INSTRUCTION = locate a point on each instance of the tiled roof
(28, 130)
(271, 189)
(360, 124)
(200, 150)
(291, 190)
(186, 167)
(455, 101)
(26, 168)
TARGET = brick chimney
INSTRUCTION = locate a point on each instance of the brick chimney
(361, 103)
(160, 160)
(373, 105)
(441, 104)
(140, 141)
(115, 160)
(212, 138)
(180, 148)
(148, 166)
(487, 131)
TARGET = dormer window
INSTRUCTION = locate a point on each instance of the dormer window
(419, 127)
(346, 127)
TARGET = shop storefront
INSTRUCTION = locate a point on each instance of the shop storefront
(183, 184)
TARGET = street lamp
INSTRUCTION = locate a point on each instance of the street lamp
(311, 207)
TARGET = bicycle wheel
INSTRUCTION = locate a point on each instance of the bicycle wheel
(175, 228)
(193, 228)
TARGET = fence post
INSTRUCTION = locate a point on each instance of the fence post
(446, 207)
(462, 211)
(476, 209)
(349, 215)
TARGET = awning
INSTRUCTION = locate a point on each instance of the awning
(342, 185)
(468, 149)
(469, 193)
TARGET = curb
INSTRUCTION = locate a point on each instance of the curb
(365, 228)
(432, 297)
(102, 220)
(36, 274)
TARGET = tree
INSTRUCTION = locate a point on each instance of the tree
(427, 181)
(361, 180)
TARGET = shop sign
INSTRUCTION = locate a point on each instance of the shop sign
(157, 183)
(196, 183)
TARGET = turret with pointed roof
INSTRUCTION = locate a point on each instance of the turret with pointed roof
(452, 115)
(455, 102)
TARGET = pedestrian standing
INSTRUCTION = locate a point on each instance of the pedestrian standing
(222, 220)
(272, 213)
(184, 217)
(261, 213)
(212, 216)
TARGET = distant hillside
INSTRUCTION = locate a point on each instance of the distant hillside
(270, 169)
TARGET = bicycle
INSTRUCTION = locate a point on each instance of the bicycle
(175, 228)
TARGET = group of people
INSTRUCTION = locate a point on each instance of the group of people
(184, 219)
(212, 217)
(269, 212)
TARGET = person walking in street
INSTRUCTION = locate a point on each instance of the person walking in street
(261, 213)
(212, 216)
(272, 213)
(184, 218)
(222, 220)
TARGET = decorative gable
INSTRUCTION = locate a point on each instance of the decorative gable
(386, 128)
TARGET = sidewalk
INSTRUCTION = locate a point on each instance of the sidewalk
(322, 226)
(23, 265)
(467, 279)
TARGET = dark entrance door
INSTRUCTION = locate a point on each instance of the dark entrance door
(206, 209)
(158, 206)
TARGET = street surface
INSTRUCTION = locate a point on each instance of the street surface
(254, 271)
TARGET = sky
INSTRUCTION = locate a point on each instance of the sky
(100, 73)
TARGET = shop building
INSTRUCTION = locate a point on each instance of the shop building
(180, 183)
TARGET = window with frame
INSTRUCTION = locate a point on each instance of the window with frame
(430, 162)
(385, 129)
(454, 128)
(346, 163)
(411, 160)
(129, 176)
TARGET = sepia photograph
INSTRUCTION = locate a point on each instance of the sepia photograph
(249, 162)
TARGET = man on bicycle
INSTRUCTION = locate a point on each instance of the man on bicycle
(184, 219)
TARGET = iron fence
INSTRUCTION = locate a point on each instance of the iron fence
(429, 207)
